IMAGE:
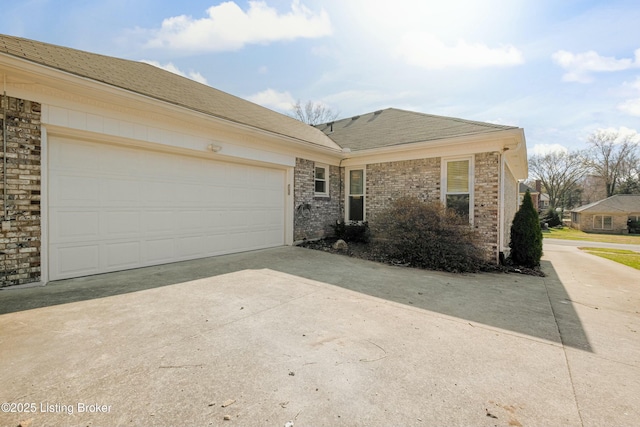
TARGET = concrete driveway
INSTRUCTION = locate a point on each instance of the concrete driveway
(295, 335)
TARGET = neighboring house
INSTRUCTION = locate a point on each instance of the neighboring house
(535, 195)
(611, 215)
(543, 202)
(112, 164)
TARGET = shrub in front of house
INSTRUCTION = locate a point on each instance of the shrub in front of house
(526, 235)
(427, 235)
(358, 232)
(552, 218)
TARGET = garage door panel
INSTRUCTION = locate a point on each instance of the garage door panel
(156, 165)
(142, 208)
(122, 223)
(76, 190)
(190, 246)
(112, 161)
(119, 192)
(159, 193)
(191, 221)
(120, 255)
(75, 225)
(68, 154)
(75, 261)
(159, 250)
(192, 194)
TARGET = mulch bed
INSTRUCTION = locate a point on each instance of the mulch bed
(372, 252)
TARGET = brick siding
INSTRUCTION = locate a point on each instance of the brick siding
(389, 181)
(486, 200)
(314, 216)
(619, 223)
(20, 243)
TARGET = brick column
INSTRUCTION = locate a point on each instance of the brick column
(20, 235)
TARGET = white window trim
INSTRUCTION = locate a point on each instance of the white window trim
(326, 180)
(601, 222)
(347, 186)
(443, 181)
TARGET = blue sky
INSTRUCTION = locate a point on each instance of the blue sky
(558, 69)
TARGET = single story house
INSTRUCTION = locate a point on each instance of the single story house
(111, 164)
(612, 215)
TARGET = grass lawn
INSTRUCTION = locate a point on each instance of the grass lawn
(623, 256)
(568, 233)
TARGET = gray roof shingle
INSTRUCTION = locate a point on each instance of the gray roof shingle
(157, 83)
(389, 127)
(621, 203)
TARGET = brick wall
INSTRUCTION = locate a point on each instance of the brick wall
(20, 236)
(389, 181)
(314, 216)
(486, 200)
(619, 223)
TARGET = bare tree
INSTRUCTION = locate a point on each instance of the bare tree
(612, 157)
(559, 173)
(313, 113)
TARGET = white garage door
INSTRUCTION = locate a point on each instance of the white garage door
(114, 208)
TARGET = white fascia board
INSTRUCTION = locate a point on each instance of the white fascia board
(459, 146)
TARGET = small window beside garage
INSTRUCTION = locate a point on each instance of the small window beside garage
(321, 180)
(602, 222)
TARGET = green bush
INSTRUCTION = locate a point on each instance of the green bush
(358, 232)
(551, 218)
(427, 235)
(526, 236)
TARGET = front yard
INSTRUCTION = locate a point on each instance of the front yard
(568, 233)
(622, 256)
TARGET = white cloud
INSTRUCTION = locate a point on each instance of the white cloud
(632, 106)
(193, 75)
(543, 149)
(227, 27)
(579, 66)
(282, 101)
(425, 50)
(623, 133)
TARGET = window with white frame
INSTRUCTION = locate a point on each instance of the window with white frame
(355, 195)
(321, 180)
(457, 183)
(602, 222)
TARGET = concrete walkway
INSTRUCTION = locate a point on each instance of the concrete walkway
(292, 334)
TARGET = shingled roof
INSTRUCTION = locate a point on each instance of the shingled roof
(157, 83)
(619, 203)
(389, 127)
